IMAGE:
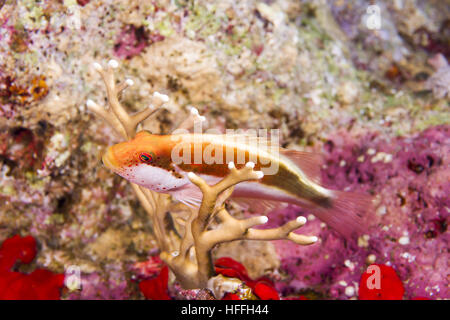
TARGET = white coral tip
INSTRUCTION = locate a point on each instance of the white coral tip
(231, 165)
(259, 174)
(113, 63)
(301, 220)
(263, 219)
(90, 103)
(163, 97)
(129, 82)
(97, 66)
(250, 164)
(314, 239)
(194, 111)
(191, 175)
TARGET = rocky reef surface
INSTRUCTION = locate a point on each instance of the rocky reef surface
(374, 101)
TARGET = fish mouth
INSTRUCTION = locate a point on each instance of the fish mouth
(108, 159)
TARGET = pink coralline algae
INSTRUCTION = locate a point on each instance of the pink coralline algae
(40, 284)
(94, 286)
(410, 180)
(83, 2)
(133, 40)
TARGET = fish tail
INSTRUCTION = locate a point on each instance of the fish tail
(346, 212)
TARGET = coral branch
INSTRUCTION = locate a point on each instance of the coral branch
(125, 125)
(186, 241)
(189, 122)
(119, 119)
(231, 229)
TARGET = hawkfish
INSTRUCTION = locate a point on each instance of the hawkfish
(162, 163)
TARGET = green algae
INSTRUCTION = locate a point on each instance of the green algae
(203, 21)
(8, 190)
(164, 27)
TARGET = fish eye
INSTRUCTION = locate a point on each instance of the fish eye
(146, 157)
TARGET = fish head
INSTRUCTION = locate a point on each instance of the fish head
(144, 160)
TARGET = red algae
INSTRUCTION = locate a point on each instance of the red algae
(262, 288)
(156, 288)
(40, 284)
(133, 40)
(390, 287)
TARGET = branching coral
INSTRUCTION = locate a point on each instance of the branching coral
(125, 126)
(186, 241)
(199, 236)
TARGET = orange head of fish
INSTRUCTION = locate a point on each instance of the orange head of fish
(144, 149)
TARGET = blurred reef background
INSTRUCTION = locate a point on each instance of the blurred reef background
(374, 102)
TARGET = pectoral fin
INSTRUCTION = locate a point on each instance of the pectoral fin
(190, 195)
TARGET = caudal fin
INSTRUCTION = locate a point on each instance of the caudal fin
(347, 214)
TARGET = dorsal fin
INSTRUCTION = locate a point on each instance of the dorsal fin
(310, 163)
(250, 139)
(142, 133)
(247, 138)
